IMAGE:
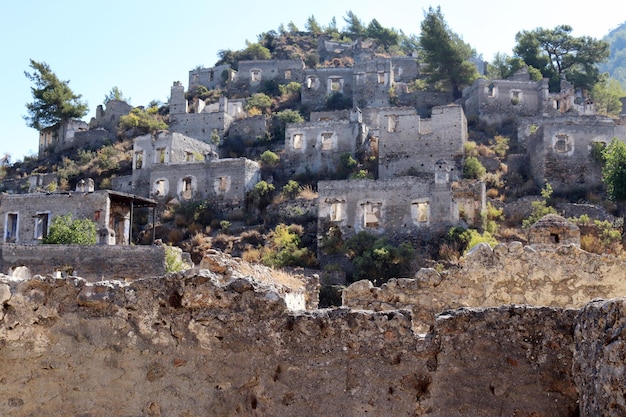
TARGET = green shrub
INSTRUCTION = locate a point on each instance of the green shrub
(291, 189)
(269, 159)
(540, 208)
(66, 231)
(376, 260)
(262, 102)
(472, 168)
(143, 120)
(173, 259)
(283, 248)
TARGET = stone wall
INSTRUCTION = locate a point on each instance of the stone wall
(495, 101)
(317, 146)
(252, 74)
(320, 83)
(559, 149)
(108, 118)
(212, 78)
(568, 278)
(93, 263)
(408, 143)
(400, 206)
(225, 182)
(29, 209)
(183, 344)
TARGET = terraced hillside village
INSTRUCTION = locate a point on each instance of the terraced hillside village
(325, 217)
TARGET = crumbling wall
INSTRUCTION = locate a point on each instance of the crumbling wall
(320, 83)
(93, 263)
(599, 358)
(511, 273)
(183, 344)
(560, 149)
(411, 144)
(225, 182)
(317, 146)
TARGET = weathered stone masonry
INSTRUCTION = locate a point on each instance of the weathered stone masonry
(180, 345)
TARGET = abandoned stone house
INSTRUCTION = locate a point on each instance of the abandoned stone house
(225, 183)
(321, 83)
(251, 75)
(551, 231)
(213, 78)
(26, 218)
(73, 134)
(316, 146)
(208, 123)
(59, 137)
(376, 78)
(395, 207)
(171, 165)
(559, 148)
(407, 143)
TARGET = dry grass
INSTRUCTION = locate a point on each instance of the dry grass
(307, 193)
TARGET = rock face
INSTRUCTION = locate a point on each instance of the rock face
(196, 344)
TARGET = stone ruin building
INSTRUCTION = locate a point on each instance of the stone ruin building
(172, 166)
(26, 218)
(557, 131)
(73, 134)
(316, 146)
(559, 149)
(398, 208)
(208, 123)
(551, 231)
(407, 143)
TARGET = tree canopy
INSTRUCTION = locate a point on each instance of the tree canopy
(555, 52)
(614, 170)
(115, 94)
(445, 54)
(54, 101)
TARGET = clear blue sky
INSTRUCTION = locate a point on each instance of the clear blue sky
(143, 46)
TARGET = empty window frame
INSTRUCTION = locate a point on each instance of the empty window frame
(160, 156)
(298, 140)
(563, 143)
(11, 227)
(491, 90)
(189, 157)
(222, 184)
(335, 84)
(420, 212)
(255, 75)
(371, 215)
(287, 74)
(327, 141)
(160, 187)
(42, 223)
(381, 77)
(392, 123)
(138, 159)
(516, 97)
(337, 209)
(187, 188)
